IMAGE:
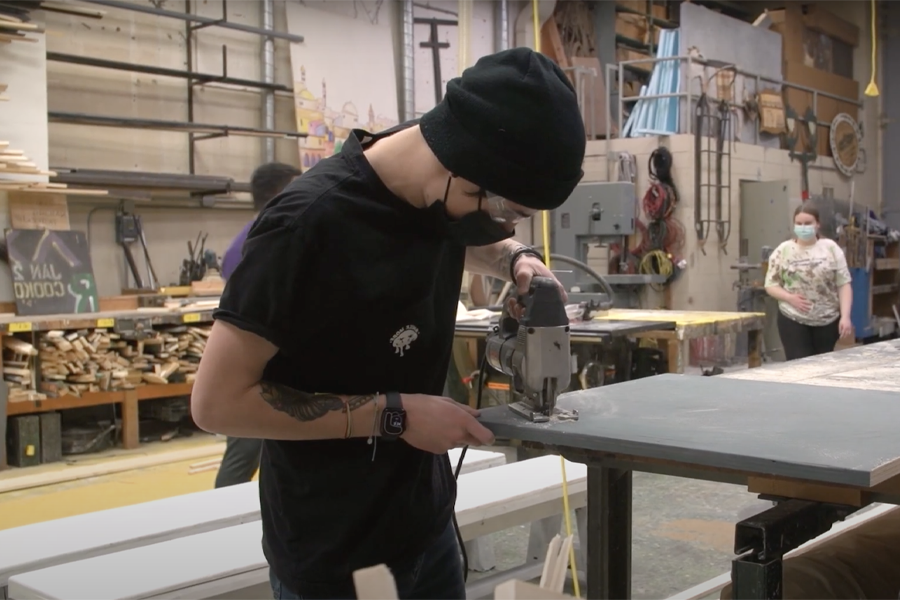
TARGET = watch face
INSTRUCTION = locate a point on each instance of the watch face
(393, 422)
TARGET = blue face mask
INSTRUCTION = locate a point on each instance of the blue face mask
(805, 232)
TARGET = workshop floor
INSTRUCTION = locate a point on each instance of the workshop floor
(683, 529)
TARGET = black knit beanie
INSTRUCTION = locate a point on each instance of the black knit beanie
(511, 125)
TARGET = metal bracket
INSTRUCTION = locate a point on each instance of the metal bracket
(764, 539)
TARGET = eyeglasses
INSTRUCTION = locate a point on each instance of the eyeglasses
(500, 211)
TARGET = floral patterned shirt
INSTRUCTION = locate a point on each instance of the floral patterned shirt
(814, 272)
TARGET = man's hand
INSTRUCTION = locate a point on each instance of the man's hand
(526, 268)
(437, 424)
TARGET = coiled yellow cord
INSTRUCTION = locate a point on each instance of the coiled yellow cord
(656, 262)
(545, 230)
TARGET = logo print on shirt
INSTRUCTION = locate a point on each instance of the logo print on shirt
(403, 338)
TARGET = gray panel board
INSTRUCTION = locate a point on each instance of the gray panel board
(828, 435)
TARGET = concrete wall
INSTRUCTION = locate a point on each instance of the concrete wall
(23, 119)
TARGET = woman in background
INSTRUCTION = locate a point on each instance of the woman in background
(810, 279)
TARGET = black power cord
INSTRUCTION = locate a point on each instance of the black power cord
(459, 464)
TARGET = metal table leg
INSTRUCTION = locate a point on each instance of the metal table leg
(609, 534)
(764, 539)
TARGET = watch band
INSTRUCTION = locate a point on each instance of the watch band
(393, 417)
(518, 253)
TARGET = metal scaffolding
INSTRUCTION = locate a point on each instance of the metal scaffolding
(196, 131)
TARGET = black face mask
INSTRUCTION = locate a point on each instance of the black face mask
(474, 229)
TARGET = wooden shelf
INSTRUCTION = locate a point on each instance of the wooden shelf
(887, 264)
(104, 320)
(145, 392)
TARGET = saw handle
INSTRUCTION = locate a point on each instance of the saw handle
(544, 307)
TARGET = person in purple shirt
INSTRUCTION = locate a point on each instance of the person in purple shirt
(241, 459)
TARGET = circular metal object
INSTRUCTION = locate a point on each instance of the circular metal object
(844, 137)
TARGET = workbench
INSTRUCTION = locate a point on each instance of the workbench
(693, 325)
(673, 329)
(134, 320)
(818, 434)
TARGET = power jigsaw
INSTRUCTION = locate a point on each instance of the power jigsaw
(535, 352)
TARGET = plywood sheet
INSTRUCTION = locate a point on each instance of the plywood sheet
(820, 434)
(869, 367)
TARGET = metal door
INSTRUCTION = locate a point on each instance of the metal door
(889, 41)
(766, 210)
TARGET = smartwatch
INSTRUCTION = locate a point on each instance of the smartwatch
(393, 417)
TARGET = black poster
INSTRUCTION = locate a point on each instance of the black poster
(51, 272)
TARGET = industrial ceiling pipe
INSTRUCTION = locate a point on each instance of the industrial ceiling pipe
(268, 69)
(409, 77)
(503, 28)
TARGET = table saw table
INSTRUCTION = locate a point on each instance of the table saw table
(804, 440)
(590, 332)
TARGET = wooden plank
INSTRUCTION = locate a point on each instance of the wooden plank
(107, 467)
(130, 420)
(521, 590)
(64, 403)
(375, 583)
(801, 490)
(691, 324)
(144, 392)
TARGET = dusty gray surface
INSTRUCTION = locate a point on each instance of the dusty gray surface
(783, 429)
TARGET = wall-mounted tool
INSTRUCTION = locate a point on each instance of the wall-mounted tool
(712, 185)
(809, 138)
(193, 268)
(130, 230)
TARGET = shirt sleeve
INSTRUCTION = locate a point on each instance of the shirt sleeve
(264, 295)
(841, 272)
(773, 273)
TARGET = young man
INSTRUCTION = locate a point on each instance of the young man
(333, 336)
(241, 459)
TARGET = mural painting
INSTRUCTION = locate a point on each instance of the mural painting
(331, 98)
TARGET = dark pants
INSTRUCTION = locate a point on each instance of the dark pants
(801, 340)
(240, 462)
(435, 575)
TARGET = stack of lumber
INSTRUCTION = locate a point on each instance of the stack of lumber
(15, 162)
(85, 361)
(18, 370)
(14, 26)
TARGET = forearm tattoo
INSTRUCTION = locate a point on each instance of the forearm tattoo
(306, 407)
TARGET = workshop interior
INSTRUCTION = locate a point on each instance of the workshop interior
(653, 440)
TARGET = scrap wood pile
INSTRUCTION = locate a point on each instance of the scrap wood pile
(76, 362)
(15, 162)
(15, 21)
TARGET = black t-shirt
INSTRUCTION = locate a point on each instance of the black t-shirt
(358, 289)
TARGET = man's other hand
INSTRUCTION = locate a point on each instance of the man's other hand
(437, 424)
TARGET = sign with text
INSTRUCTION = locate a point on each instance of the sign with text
(51, 272)
(29, 210)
